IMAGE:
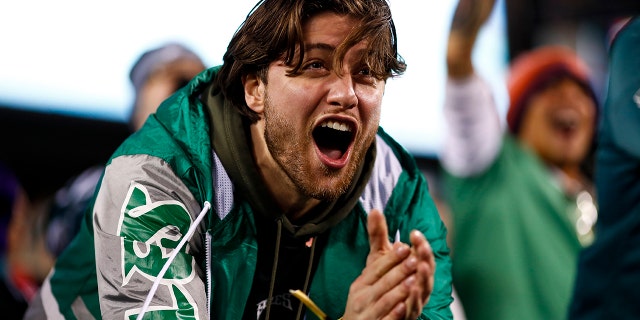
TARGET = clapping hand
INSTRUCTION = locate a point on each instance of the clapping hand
(397, 280)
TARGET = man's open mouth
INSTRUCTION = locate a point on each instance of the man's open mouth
(333, 138)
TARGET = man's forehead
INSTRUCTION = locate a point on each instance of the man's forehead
(318, 46)
(359, 47)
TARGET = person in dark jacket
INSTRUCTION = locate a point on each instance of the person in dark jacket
(607, 280)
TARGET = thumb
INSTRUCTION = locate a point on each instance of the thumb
(378, 232)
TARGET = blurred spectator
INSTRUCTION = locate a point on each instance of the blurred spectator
(25, 260)
(608, 279)
(12, 300)
(156, 75)
(521, 201)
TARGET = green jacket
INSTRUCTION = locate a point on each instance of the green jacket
(515, 243)
(157, 182)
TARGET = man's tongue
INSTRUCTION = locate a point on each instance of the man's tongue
(331, 153)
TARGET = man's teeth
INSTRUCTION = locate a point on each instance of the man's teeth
(336, 125)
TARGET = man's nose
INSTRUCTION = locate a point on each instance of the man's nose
(342, 91)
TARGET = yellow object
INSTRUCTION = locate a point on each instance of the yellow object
(309, 303)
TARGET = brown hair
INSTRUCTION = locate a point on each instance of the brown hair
(273, 30)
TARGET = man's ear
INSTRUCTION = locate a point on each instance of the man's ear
(254, 93)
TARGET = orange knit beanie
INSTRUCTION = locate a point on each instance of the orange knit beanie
(532, 71)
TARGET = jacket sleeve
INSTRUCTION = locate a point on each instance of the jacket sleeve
(474, 133)
(408, 205)
(414, 209)
(142, 211)
(424, 217)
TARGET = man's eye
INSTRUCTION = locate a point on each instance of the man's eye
(315, 65)
(365, 71)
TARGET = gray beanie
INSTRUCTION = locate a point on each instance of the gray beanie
(152, 59)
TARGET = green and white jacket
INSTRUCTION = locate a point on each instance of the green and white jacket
(191, 152)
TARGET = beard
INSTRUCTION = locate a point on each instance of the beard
(293, 152)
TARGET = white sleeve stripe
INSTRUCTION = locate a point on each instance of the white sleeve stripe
(223, 188)
(49, 301)
(384, 177)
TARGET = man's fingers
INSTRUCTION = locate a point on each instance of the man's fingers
(377, 228)
(421, 245)
(398, 279)
(402, 301)
(378, 269)
(426, 269)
